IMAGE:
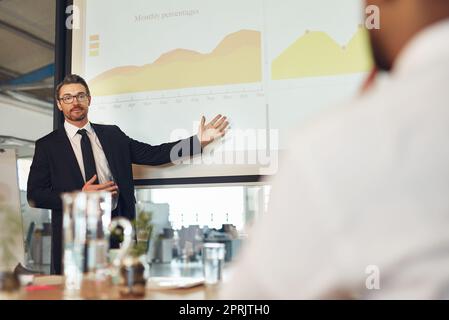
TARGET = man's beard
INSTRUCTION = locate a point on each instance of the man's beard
(80, 117)
(380, 58)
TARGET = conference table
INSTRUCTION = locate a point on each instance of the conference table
(51, 287)
(56, 292)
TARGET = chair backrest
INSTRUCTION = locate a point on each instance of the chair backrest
(29, 237)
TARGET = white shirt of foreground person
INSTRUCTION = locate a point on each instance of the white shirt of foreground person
(360, 207)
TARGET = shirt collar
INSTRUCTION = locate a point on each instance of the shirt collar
(73, 130)
(428, 46)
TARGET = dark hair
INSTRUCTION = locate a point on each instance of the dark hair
(69, 79)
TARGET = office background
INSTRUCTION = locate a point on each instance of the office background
(40, 50)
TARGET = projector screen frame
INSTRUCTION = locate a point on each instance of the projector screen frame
(63, 67)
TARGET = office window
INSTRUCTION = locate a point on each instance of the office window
(23, 168)
(209, 206)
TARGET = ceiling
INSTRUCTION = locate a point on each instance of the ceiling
(27, 32)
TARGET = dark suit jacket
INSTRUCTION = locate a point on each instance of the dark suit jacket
(55, 170)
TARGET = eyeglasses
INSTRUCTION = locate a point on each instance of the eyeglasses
(81, 97)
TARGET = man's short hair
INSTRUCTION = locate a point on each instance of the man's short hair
(70, 79)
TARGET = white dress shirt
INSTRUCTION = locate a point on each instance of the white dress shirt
(101, 163)
(360, 206)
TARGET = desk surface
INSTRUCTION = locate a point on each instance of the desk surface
(52, 288)
(57, 293)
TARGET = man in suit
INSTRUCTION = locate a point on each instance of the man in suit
(85, 156)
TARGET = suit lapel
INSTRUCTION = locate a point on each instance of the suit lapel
(107, 147)
(68, 156)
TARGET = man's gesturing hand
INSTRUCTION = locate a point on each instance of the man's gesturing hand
(107, 186)
(212, 130)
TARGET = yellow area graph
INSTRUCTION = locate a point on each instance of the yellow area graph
(236, 59)
(317, 54)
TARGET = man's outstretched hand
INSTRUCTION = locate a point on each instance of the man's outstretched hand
(208, 132)
(107, 186)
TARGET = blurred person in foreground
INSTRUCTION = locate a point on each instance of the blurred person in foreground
(360, 207)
